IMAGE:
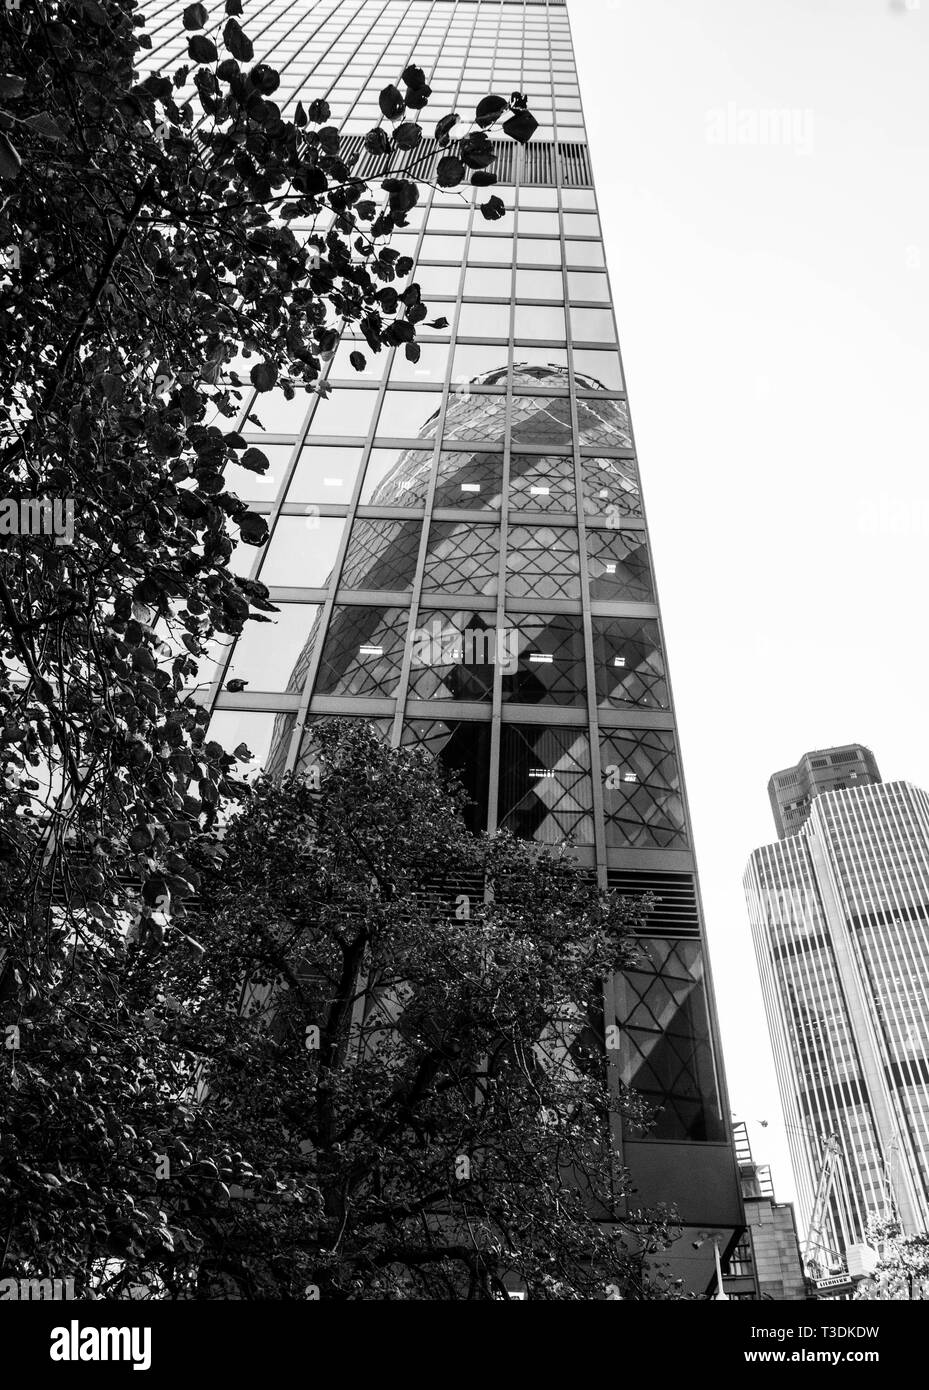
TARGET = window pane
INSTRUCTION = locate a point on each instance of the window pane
(600, 369)
(344, 412)
(397, 477)
(583, 286)
(472, 480)
(592, 325)
(540, 321)
(462, 558)
(260, 487)
(584, 253)
(381, 555)
(454, 656)
(487, 248)
(539, 284)
(611, 489)
(278, 415)
(492, 284)
(484, 321)
(324, 473)
(265, 654)
(363, 651)
(618, 566)
(545, 788)
(629, 664)
(538, 251)
(550, 667)
(541, 483)
(542, 562)
(267, 737)
(433, 359)
(302, 551)
(464, 748)
(409, 414)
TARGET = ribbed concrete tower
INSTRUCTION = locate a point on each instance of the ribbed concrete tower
(840, 917)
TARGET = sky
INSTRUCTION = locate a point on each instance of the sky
(761, 173)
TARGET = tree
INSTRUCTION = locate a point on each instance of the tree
(145, 227)
(902, 1268)
(354, 1079)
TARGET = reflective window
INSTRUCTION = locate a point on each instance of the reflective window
(598, 369)
(265, 654)
(324, 473)
(584, 253)
(431, 365)
(344, 412)
(592, 325)
(542, 483)
(540, 284)
(442, 248)
(618, 566)
(642, 799)
(542, 562)
(540, 321)
(363, 652)
(475, 415)
(342, 369)
(547, 651)
(484, 321)
(409, 414)
(577, 198)
(605, 422)
(464, 748)
(259, 487)
(581, 224)
(302, 551)
(544, 420)
(545, 787)
(498, 249)
(584, 285)
(538, 197)
(454, 654)
(538, 251)
(531, 357)
(397, 478)
(474, 360)
(472, 480)
(611, 489)
(545, 223)
(667, 1052)
(381, 555)
(462, 558)
(492, 284)
(266, 736)
(629, 664)
(436, 279)
(276, 414)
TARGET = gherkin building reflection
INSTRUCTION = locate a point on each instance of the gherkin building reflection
(362, 648)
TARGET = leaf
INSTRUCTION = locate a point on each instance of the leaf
(319, 111)
(255, 461)
(202, 50)
(195, 17)
(233, 6)
(238, 42)
(493, 209)
(46, 125)
(358, 361)
(408, 135)
(236, 686)
(10, 162)
(242, 752)
(490, 110)
(450, 171)
(391, 103)
(377, 141)
(412, 352)
(263, 376)
(264, 79)
(483, 178)
(300, 115)
(521, 126)
(444, 126)
(477, 151)
(253, 528)
(437, 323)
(414, 76)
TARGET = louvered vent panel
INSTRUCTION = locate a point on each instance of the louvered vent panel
(538, 162)
(675, 913)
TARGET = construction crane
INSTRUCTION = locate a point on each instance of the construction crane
(816, 1248)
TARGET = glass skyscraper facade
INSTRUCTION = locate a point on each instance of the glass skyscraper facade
(840, 917)
(459, 549)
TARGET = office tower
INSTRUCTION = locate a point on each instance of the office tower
(766, 1263)
(839, 916)
(793, 790)
(486, 500)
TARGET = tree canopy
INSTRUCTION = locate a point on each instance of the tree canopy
(374, 1068)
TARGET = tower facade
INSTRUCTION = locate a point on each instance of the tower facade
(459, 549)
(840, 918)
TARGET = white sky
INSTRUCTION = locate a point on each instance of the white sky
(773, 307)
